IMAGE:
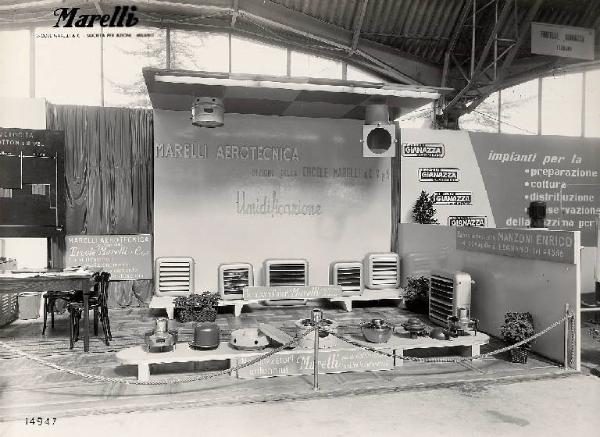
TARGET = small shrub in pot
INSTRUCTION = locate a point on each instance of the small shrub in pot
(416, 294)
(517, 327)
(197, 307)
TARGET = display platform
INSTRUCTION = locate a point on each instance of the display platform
(396, 294)
(299, 361)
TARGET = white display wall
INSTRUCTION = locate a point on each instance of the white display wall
(267, 187)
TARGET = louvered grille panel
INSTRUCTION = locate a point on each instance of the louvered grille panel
(233, 278)
(383, 270)
(448, 291)
(286, 273)
(174, 276)
(347, 275)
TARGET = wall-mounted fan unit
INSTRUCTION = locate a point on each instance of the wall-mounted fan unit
(233, 278)
(448, 291)
(347, 275)
(382, 270)
(174, 276)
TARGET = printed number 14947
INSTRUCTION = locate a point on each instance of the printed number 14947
(40, 421)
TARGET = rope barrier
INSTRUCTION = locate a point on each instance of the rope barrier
(463, 359)
(293, 343)
(158, 381)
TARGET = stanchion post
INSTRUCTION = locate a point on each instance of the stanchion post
(316, 316)
(567, 322)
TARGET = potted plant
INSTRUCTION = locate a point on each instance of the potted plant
(197, 307)
(517, 327)
(416, 294)
(423, 212)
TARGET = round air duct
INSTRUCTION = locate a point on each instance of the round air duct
(377, 114)
(207, 112)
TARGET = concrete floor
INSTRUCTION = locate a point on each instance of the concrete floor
(556, 407)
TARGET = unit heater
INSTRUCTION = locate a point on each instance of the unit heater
(174, 276)
(233, 278)
(280, 272)
(382, 270)
(448, 291)
(348, 275)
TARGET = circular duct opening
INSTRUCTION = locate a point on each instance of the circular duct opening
(379, 140)
(207, 112)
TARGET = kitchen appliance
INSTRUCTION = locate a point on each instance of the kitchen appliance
(448, 291)
(248, 339)
(161, 339)
(414, 326)
(377, 331)
(174, 276)
(325, 339)
(207, 336)
(347, 275)
(382, 270)
(462, 323)
(233, 278)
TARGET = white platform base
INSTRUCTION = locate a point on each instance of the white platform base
(238, 305)
(371, 295)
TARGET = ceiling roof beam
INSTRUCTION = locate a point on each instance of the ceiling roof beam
(359, 18)
(483, 56)
(454, 38)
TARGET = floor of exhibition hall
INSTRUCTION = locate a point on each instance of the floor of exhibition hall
(27, 386)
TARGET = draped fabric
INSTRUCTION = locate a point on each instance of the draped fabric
(109, 178)
(395, 203)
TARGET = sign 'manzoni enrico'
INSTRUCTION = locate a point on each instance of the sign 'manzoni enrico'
(122, 16)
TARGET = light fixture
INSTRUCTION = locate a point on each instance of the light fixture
(207, 112)
(379, 135)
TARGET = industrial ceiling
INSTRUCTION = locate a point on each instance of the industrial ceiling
(474, 47)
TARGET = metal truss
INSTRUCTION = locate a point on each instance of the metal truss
(486, 39)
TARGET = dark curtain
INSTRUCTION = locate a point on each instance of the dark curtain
(109, 178)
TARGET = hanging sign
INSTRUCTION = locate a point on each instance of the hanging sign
(563, 41)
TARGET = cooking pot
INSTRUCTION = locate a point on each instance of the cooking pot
(414, 327)
(325, 340)
(206, 336)
(377, 331)
(248, 339)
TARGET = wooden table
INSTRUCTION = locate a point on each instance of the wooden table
(59, 281)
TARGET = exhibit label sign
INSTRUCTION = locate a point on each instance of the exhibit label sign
(563, 41)
(300, 362)
(555, 246)
(438, 174)
(292, 292)
(452, 197)
(423, 150)
(125, 257)
(467, 220)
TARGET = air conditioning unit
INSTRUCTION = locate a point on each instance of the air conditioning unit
(382, 270)
(448, 291)
(233, 278)
(281, 272)
(174, 276)
(348, 275)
